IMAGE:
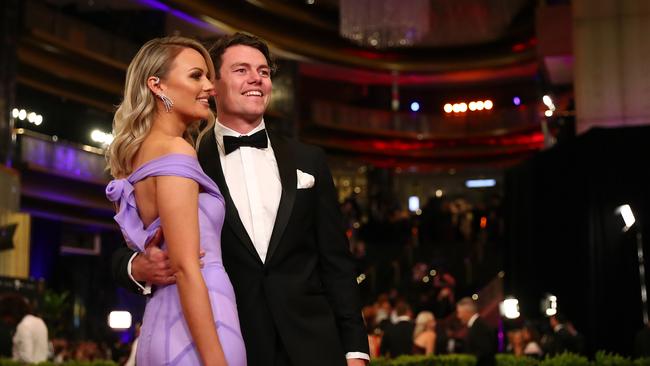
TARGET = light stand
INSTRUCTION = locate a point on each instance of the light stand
(628, 217)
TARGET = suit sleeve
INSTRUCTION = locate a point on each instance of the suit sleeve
(119, 265)
(336, 265)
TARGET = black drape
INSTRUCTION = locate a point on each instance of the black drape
(563, 236)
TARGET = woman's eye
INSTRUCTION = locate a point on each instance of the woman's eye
(196, 76)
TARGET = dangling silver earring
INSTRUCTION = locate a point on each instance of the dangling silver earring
(166, 102)
(165, 99)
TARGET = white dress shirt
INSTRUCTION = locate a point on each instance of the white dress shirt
(30, 341)
(471, 320)
(253, 181)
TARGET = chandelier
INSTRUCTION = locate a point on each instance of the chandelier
(384, 23)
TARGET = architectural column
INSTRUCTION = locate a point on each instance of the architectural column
(10, 11)
(612, 63)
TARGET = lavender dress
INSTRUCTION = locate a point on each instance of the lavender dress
(165, 338)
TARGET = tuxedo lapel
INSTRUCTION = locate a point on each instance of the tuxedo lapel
(211, 164)
(288, 178)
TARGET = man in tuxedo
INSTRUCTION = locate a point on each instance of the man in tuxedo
(398, 337)
(481, 340)
(283, 242)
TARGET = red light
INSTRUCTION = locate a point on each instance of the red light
(483, 222)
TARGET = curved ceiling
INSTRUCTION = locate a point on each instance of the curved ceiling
(311, 32)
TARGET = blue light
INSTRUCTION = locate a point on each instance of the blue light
(415, 106)
(516, 100)
(480, 183)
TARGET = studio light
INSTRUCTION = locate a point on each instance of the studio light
(119, 319)
(415, 106)
(509, 308)
(625, 211)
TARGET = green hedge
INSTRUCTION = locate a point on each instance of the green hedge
(565, 359)
(6, 362)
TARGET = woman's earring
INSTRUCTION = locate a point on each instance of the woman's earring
(165, 99)
(166, 102)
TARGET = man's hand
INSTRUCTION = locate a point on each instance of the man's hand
(153, 266)
(357, 362)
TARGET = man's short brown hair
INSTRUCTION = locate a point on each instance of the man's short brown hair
(219, 48)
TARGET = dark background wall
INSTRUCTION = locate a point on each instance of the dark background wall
(564, 238)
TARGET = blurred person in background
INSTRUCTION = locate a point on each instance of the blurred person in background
(481, 340)
(424, 334)
(398, 337)
(30, 344)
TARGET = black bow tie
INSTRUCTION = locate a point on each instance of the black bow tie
(232, 143)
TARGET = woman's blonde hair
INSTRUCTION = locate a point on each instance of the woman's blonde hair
(134, 116)
(421, 321)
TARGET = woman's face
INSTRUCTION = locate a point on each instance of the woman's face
(189, 86)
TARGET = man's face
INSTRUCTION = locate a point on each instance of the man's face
(463, 314)
(243, 90)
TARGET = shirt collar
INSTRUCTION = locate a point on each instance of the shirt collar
(472, 320)
(220, 130)
(403, 318)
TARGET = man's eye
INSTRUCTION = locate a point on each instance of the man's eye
(265, 73)
(240, 71)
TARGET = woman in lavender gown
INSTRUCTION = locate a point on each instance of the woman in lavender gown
(159, 184)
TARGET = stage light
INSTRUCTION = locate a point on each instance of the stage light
(480, 105)
(548, 113)
(475, 297)
(488, 104)
(438, 193)
(462, 107)
(38, 120)
(101, 137)
(456, 107)
(119, 320)
(549, 305)
(415, 106)
(414, 203)
(509, 308)
(547, 100)
(448, 108)
(628, 216)
(433, 273)
(480, 183)
(22, 114)
(472, 106)
(15, 112)
(516, 101)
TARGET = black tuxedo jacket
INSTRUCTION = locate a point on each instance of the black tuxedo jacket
(398, 339)
(304, 294)
(481, 342)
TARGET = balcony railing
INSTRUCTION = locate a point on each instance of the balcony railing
(420, 125)
(79, 162)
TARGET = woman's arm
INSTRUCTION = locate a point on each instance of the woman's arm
(177, 200)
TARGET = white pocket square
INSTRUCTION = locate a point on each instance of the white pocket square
(305, 180)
